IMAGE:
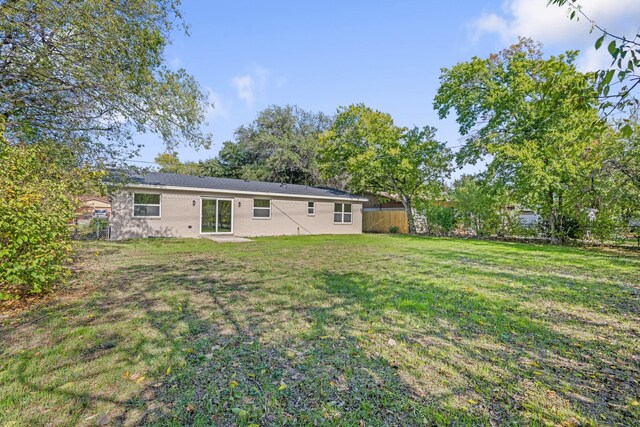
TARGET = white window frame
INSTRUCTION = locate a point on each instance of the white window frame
(217, 199)
(342, 212)
(159, 205)
(311, 210)
(253, 209)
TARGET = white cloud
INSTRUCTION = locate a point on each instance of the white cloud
(245, 87)
(490, 23)
(551, 24)
(593, 60)
(252, 85)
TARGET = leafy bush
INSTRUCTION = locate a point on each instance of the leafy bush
(394, 229)
(440, 219)
(38, 189)
(477, 205)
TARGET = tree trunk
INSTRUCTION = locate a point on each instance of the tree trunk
(552, 218)
(406, 202)
(563, 231)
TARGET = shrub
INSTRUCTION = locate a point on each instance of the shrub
(394, 229)
(477, 204)
(38, 191)
(440, 219)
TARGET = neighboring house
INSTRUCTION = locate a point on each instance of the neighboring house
(90, 205)
(173, 205)
(527, 217)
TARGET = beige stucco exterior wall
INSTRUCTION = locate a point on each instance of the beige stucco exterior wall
(180, 216)
(289, 217)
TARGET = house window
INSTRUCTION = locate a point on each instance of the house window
(342, 213)
(146, 205)
(311, 208)
(261, 208)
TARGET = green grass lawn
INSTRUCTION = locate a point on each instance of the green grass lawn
(329, 330)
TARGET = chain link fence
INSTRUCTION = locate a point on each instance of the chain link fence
(91, 227)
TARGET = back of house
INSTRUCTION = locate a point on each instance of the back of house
(173, 205)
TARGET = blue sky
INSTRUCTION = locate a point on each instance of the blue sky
(387, 54)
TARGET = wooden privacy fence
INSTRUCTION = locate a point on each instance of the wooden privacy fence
(379, 221)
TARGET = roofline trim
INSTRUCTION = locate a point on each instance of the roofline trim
(260, 193)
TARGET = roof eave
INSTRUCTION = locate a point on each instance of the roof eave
(254, 193)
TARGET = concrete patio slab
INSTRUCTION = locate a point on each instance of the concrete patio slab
(227, 239)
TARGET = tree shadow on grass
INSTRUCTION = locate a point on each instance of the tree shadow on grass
(161, 344)
(574, 255)
(537, 277)
(494, 362)
(276, 365)
(202, 339)
(92, 355)
(517, 365)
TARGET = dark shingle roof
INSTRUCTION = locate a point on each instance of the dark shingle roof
(227, 184)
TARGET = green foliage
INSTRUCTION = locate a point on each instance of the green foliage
(441, 220)
(37, 204)
(477, 207)
(280, 145)
(607, 196)
(535, 117)
(78, 78)
(622, 158)
(94, 71)
(623, 75)
(170, 163)
(394, 229)
(366, 150)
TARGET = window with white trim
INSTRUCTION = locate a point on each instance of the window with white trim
(342, 213)
(311, 208)
(146, 205)
(262, 208)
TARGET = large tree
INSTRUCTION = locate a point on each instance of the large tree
(371, 154)
(536, 119)
(624, 153)
(90, 73)
(280, 145)
(77, 79)
(169, 162)
(617, 184)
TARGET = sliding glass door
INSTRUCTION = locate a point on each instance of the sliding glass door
(224, 216)
(216, 215)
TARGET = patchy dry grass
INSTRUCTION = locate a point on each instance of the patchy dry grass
(351, 330)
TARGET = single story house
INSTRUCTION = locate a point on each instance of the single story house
(89, 204)
(91, 207)
(173, 205)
